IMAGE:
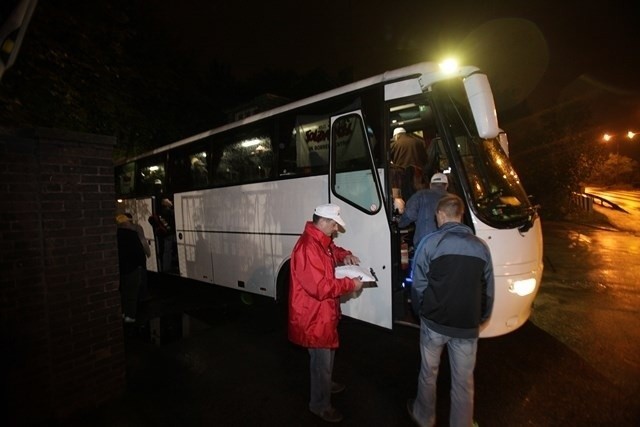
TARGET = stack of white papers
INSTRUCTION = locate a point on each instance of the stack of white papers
(353, 272)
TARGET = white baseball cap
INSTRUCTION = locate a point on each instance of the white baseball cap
(439, 178)
(330, 211)
(398, 130)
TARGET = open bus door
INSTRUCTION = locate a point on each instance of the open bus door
(354, 185)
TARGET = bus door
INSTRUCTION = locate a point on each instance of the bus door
(194, 244)
(141, 210)
(354, 185)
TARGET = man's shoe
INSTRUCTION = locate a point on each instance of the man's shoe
(337, 388)
(410, 410)
(330, 415)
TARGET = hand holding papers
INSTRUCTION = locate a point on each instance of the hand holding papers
(356, 271)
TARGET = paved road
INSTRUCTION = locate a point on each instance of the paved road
(575, 363)
(629, 200)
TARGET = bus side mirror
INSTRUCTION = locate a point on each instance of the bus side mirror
(482, 105)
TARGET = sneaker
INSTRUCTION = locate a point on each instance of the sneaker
(410, 410)
(337, 388)
(128, 319)
(330, 415)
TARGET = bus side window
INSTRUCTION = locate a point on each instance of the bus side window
(260, 158)
(246, 160)
(310, 137)
(225, 173)
(152, 178)
(179, 172)
(198, 169)
(287, 152)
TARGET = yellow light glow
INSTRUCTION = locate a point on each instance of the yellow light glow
(631, 134)
(449, 66)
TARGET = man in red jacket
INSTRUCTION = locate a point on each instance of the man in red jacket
(314, 302)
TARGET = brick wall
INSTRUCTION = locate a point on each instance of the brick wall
(62, 348)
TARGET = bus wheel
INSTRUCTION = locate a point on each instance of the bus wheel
(246, 298)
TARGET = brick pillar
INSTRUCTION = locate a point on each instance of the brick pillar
(62, 348)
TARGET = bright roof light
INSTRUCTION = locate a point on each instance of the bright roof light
(449, 65)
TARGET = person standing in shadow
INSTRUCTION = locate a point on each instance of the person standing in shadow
(169, 244)
(144, 282)
(132, 263)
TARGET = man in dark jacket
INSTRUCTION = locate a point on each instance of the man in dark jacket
(421, 208)
(408, 150)
(314, 303)
(453, 288)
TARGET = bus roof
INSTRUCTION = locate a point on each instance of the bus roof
(426, 73)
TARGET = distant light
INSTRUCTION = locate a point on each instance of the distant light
(523, 287)
(449, 66)
(630, 134)
(607, 137)
(153, 168)
(119, 200)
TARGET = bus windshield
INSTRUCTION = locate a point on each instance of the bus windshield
(497, 196)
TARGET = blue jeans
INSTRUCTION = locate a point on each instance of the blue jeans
(462, 358)
(320, 369)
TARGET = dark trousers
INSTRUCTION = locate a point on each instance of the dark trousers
(129, 289)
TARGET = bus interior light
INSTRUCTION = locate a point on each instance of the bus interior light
(523, 287)
(251, 142)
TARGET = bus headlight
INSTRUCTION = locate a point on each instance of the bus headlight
(523, 287)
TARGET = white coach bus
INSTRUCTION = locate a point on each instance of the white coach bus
(242, 192)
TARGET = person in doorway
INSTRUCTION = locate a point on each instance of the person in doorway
(409, 159)
(453, 289)
(167, 218)
(132, 263)
(314, 303)
(144, 281)
(421, 208)
(408, 150)
(138, 229)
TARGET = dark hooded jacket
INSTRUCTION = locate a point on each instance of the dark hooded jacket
(453, 282)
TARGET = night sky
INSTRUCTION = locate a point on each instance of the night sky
(544, 52)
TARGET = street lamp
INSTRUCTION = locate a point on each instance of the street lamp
(607, 137)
